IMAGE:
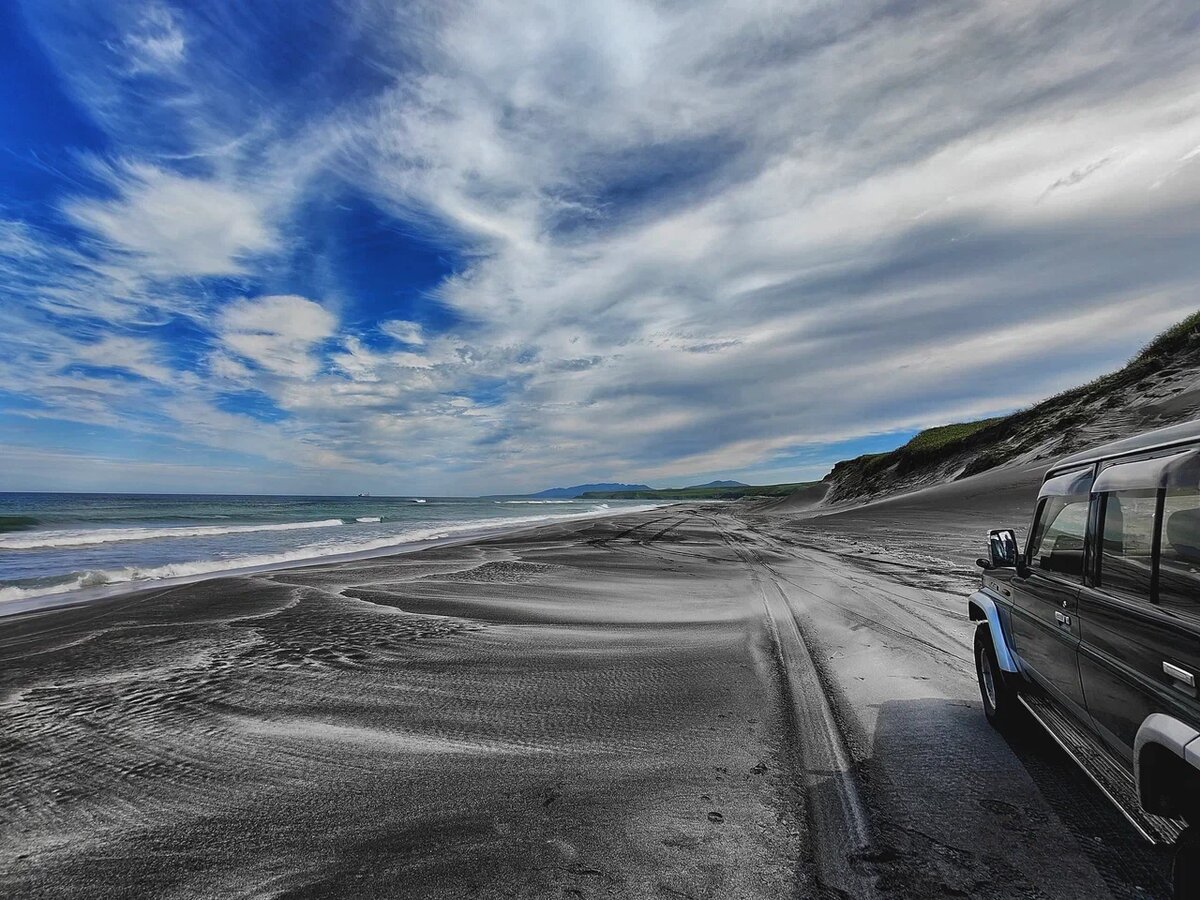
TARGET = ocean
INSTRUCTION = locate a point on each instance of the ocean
(61, 544)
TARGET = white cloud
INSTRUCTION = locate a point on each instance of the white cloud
(404, 332)
(157, 42)
(131, 354)
(277, 333)
(222, 365)
(176, 226)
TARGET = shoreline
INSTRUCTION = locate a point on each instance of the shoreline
(38, 603)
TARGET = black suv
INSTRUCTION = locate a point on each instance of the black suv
(1094, 628)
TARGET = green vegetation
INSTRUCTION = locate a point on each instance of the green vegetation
(703, 493)
(940, 436)
(1178, 341)
(923, 448)
(1176, 338)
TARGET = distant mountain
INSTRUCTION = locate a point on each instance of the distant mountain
(717, 484)
(570, 493)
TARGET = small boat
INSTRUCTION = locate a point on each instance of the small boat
(418, 501)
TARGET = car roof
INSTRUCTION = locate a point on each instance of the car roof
(1159, 439)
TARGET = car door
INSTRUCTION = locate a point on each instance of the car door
(1045, 592)
(1141, 609)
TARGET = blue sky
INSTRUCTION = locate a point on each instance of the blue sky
(490, 246)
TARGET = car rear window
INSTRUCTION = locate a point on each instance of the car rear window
(1179, 559)
(1127, 544)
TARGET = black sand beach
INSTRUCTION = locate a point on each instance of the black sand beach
(689, 702)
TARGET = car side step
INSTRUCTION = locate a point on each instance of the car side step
(1102, 767)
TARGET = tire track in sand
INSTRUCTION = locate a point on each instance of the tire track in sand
(892, 604)
(841, 840)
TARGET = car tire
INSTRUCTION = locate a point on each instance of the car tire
(1185, 869)
(995, 686)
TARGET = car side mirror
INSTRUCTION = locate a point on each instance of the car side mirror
(984, 563)
(1003, 552)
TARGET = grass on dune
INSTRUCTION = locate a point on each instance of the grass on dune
(941, 435)
(995, 440)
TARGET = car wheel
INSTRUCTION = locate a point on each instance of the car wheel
(995, 685)
(1185, 870)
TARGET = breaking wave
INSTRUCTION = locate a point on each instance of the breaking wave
(87, 537)
(135, 575)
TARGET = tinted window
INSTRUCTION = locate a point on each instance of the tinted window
(1179, 564)
(1057, 544)
(1127, 544)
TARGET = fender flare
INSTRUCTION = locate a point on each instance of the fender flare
(1172, 735)
(986, 609)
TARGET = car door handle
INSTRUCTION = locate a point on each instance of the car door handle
(1062, 619)
(1182, 675)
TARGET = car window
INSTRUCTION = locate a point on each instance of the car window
(1179, 562)
(1127, 542)
(1057, 544)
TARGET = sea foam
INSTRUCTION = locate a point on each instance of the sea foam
(36, 540)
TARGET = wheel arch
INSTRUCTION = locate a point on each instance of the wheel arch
(1166, 767)
(982, 607)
